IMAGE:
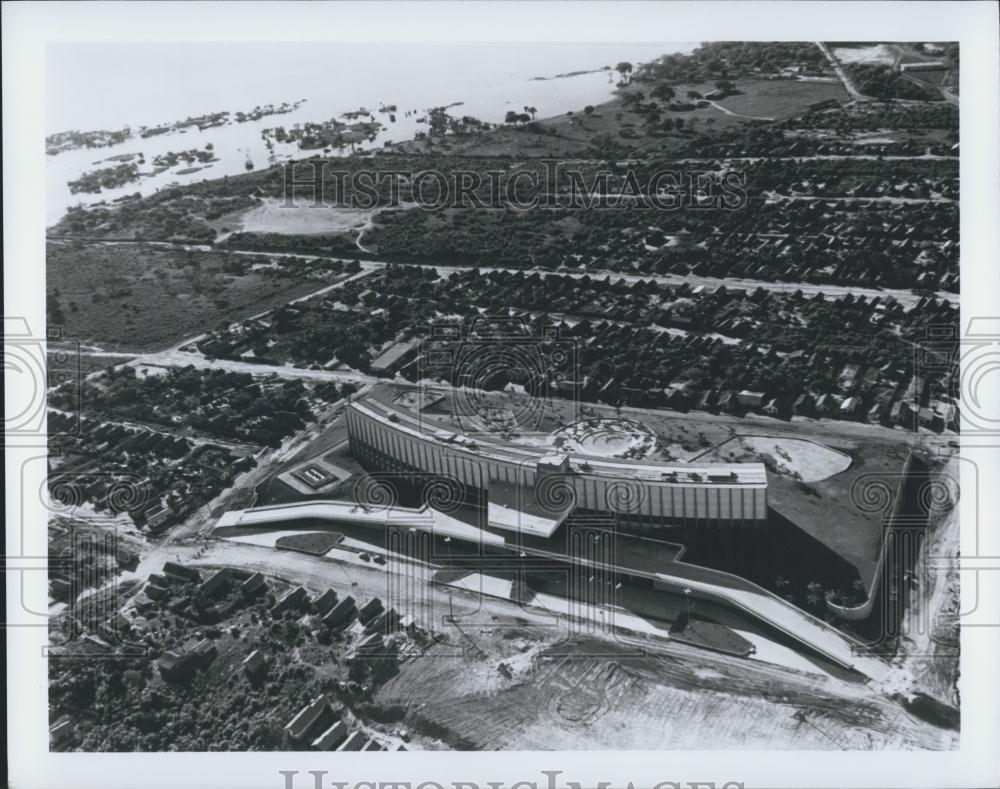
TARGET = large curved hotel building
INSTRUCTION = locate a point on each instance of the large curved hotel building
(533, 505)
(532, 490)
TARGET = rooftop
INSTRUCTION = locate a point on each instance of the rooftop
(514, 507)
(393, 354)
(380, 405)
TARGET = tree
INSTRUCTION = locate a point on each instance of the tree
(588, 110)
(632, 100)
(663, 92)
(724, 86)
(625, 69)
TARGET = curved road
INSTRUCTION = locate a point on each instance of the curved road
(712, 584)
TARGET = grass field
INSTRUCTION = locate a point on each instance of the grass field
(780, 98)
(145, 298)
(314, 543)
(572, 134)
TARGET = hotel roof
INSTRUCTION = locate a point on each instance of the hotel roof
(515, 508)
(379, 406)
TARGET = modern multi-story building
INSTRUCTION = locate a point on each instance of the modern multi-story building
(531, 489)
(521, 507)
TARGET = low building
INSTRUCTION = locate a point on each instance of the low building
(371, 646)
(323, 604)
(254, 664)
(750, 399)
(181, 572)
(394, 357)
(387, 622)
(331, 738)
(296, 598)
(172, 664)
(370, 610)
(154, 592)
(216, 583)
(804, 405)
(354, 742)
(310, 720)
(342, 613)
(850, 406)
(61, 732)
(727, 402)
(203, 652)
(253, 585)
(116, 628)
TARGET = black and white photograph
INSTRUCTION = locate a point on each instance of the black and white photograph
(559, 382)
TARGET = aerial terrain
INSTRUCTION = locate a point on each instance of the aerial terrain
(780, 325)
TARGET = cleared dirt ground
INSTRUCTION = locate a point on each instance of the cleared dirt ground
(301, 220)
(582, 694)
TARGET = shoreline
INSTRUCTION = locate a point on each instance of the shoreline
(486, 95)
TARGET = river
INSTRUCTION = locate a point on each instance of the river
(110, 86)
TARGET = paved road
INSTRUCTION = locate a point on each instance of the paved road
(737, 114)
(857, 199)
(839, 69)
(175, 358)
(904, 297)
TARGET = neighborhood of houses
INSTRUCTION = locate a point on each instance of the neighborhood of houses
(370, 639)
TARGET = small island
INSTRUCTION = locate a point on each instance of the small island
(333, 133)
(72, 140)
(105, 178)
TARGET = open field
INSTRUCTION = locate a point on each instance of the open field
(313, 543)
(146, 298)
(780, 98)
(303, 220)
(876, 55)
(794, 458)
(573, 133)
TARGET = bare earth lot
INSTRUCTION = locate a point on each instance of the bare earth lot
(592, 694)
(302, 220)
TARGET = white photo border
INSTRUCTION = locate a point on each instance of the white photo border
(29, 27)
